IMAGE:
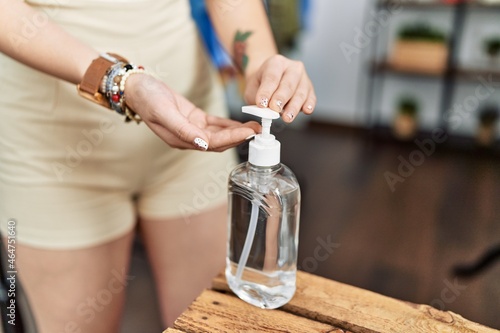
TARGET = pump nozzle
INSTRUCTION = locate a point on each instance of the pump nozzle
(265, 149)
(267, 116)
(260, 112)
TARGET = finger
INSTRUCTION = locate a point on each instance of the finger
(230, 137)
(221, 121)
(294, 106)
(289, 83)
(169, 137)
(215, 124)
(310, 103)
(178, 132)
(224, 146)
(252, 86)
(269, 82)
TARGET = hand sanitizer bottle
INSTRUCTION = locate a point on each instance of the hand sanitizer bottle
(264, 209)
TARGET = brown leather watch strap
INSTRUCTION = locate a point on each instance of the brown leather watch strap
(91, 81)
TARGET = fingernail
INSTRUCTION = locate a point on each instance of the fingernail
(310, 107)
(279, 104)
(290, 115)
(200, 143)
(264, 102)
(250, 137)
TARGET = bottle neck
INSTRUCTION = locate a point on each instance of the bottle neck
(262, 178)
(264, 169)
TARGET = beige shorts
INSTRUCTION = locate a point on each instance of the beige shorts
(73, 174)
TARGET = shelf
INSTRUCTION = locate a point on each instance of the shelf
(481, 5)
(416, 4)
(452, 77)
(439, 4)
(471, 74)
(466, 74)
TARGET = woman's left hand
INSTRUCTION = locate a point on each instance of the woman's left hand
(282, 85)
(179, 122)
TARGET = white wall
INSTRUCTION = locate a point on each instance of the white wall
(336, 81)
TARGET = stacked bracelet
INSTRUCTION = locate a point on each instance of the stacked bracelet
(114, 88)
(108, 88)
(112, 91)
(129, 114)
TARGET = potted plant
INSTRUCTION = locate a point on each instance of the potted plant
(489, 2)
(492, 47)
(486, 131)
(405, 122)
(420, 48)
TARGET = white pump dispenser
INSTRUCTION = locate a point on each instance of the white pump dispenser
(264, 150)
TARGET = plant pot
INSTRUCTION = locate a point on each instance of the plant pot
(405, 126)
(493, 62)
(486, 134)
(419, 56)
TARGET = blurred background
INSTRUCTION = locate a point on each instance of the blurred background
(399, 165)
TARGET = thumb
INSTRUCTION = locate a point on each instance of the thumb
(192, 134)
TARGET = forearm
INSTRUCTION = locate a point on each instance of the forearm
(48, 49)
(247, 16)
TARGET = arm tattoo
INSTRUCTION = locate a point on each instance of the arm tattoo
(239, 49)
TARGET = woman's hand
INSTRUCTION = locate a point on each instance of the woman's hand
(282, 85)
(178, 122)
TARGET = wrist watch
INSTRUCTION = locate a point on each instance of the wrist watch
(91, 81)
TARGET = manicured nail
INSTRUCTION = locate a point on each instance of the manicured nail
(250, 137)
(290, 115)
(264, 102)
(200, 143)
(279, 104)
(310, 107)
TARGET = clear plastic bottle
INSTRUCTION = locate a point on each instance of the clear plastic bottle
(264, 210)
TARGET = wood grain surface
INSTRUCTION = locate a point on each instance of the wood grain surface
(362, 311)
(218, 312)
(319, 305)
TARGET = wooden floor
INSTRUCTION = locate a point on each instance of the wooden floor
(405, 243)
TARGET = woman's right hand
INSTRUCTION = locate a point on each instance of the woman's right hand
(180, 123)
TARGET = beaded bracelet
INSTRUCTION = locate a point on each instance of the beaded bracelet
(114, 76)
(129, 114)
(102, 83)
(113, 87)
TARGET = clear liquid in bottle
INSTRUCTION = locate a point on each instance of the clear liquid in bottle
(264, 208)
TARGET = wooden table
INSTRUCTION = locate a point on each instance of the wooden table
(319, 305)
